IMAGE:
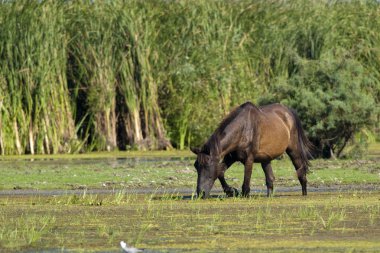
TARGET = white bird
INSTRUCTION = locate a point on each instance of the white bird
(128, 249)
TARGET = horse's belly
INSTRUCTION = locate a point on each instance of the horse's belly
(266, 156)
(273, 143)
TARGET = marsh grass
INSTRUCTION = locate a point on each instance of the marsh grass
(25, 230)
(119, 174)
(339, 221)
(164, 222)
(332, 218)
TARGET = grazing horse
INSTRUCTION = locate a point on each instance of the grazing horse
(252, 134)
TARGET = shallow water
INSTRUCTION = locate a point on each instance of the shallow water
(109, 160)
(187, 192)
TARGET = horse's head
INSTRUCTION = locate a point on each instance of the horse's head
(207, 169)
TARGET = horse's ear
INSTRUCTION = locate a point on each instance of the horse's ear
(195, 150)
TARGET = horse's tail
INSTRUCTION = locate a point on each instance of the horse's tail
(304, 145)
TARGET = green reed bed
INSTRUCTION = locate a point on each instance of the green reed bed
(105, 75)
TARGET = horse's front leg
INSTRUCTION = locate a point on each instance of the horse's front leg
(247, 176)
(230, 191)
(227, 162)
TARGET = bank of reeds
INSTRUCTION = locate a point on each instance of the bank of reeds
(110, 71)
(98, 75)
(35, 103)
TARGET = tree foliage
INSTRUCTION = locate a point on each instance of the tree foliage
(331, 96)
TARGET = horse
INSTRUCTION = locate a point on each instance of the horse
(251, 134)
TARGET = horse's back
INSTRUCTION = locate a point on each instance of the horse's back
(275, 128)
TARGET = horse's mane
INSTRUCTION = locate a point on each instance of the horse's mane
(213, 143)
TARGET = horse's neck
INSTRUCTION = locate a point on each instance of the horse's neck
(232, 133)
(213, 145)
(224, 148)
(230, 141)
(218, 149)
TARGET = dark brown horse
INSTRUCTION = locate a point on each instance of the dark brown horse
(252, 134)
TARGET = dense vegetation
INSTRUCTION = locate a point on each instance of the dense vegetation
(103, 75)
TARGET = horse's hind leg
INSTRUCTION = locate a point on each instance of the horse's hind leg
(300, 168)
(247, 177)
(269, 177)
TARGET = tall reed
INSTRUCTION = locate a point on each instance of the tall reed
(36, 116)
(104, 75)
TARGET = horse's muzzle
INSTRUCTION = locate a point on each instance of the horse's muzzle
(204, 187)
(202, 194)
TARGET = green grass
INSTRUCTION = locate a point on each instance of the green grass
(151, 172)
(344, 221)
(337, 222)
(374, 149)
(24, 230)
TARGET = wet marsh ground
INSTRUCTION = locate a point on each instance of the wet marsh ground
(320, 222)
(345, 219)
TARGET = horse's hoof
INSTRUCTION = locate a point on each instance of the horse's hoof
(232, 192)
(245, 194)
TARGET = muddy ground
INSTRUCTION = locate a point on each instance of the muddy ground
(90, 205)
